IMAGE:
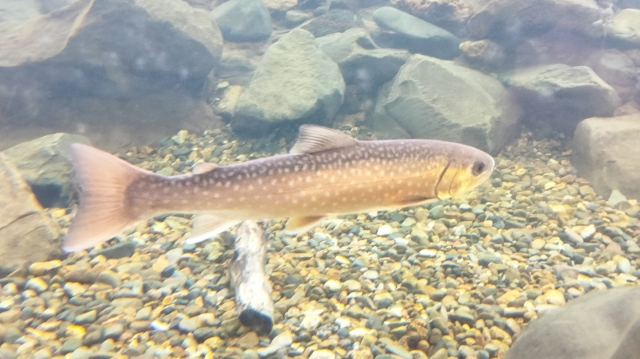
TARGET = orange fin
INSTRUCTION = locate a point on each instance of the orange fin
(202, 167)
(102, 212)
(313, 139)
(296, 225)
(206, 226)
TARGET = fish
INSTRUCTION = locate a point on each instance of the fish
(325, 173)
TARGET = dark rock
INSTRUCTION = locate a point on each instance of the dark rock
(110, 64)
(601, 324)
(45, 163)
(243, 20)
(338, 20)
(416, 35)
(557, 97)
(120, 250)
(26, 233)
(606, 152)
(423, 101)
(295, 81)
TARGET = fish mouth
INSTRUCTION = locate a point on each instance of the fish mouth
(440, 179)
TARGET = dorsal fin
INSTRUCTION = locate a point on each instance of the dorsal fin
(313, 139)
(202, 167)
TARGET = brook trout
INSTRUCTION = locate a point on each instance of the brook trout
(325, 173)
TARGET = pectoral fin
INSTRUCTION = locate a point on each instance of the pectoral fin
(206, 226)
(202, 167)
(296, 225)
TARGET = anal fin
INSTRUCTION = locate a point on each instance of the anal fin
(296, 225)
(206, 226)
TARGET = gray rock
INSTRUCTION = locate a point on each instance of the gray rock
(337, 20)
(360, 60)
(188, 325)
(416, 35)
(601, 324)
(243, 20)
(295, 81)
(70, 344)
(236, 69)
(557, 97)
(293, 18)
(45, 163)
(26, 233)
(425, 101)
(395, 348)
(113, 331)
(510, 20)
(606, 152)
(485, 258)
(116, 62)
(81, 353)
(616, 69)
(282, 340)
(626, 27)
(120, 250)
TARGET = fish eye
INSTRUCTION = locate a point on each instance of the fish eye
(478, 168)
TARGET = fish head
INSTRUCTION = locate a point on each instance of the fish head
(467, 168)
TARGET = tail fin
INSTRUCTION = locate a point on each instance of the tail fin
(102, 212)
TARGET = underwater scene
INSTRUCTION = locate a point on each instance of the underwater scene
(321, 179)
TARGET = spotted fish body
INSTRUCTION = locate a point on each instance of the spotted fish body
(326, 173)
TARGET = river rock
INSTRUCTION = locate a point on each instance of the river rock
(448, 14)
(606, 152)
(45, 163)
(112, 69)
(425, 101)
(360, 60)
(406, 31)
(336, 20)
(616, 69)
(26, 233)
(243, 20)
(557, 97)
(601, 324)
(295, 81)
(509, 21)
(626, 27)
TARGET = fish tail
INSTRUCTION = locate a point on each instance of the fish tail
(103, 211)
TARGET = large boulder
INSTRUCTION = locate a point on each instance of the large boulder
(243, 20)
(360, 60)
(403, 30)
(606, 152)
(45, 163)
(511, 20)
(432, 98)
(26, 233)
(557, 97)
(295, 81)
(60, 71)
(616, 69)
(448, 14)
(599, 325)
